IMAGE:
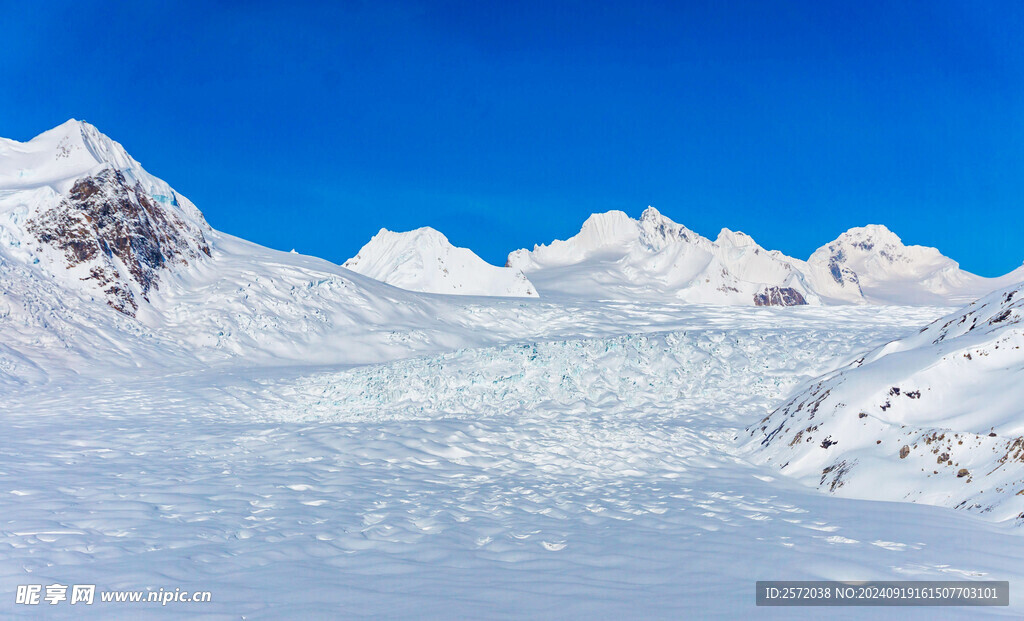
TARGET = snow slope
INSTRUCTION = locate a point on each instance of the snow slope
(586, 477)
(616, 257)
(424, 260)
(937, 417)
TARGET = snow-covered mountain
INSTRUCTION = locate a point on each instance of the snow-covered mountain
(75, 203)
(424, 260)
(871, 264)
(937, 417)
(616, 257)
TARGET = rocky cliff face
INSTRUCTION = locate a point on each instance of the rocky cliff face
(120, 237)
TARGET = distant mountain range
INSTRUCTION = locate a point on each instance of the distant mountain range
(615, 257)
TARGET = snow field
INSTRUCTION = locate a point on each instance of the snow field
(595, 477)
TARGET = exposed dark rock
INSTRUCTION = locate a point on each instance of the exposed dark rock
(1001, 317)
(779, 296)
(108, 223)
(904, 451)
(838, 471)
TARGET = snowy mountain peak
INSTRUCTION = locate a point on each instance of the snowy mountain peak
(605, 229)
(735, 239)
(651, 214)
(659, 231)
(875, 248)
(101, 148)
(872, 264)
(873, 261)
(424, 260)
(74, 203)
(58, 156)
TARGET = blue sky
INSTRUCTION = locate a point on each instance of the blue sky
(310, 126)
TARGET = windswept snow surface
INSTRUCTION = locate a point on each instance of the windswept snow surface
(589, 471)
(424, 260)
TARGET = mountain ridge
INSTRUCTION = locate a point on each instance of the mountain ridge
(75, 202)
(864, 265)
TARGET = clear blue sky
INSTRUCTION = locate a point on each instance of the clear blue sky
(505, 124)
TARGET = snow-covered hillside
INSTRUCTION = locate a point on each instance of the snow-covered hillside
(871, 264)
(424, 260)
(937, 417)
(616, 257)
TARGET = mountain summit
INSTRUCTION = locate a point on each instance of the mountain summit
(424, 260)
(872, 264)
(74, 202)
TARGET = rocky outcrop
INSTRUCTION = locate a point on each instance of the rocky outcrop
(779, 296)
(119, 236)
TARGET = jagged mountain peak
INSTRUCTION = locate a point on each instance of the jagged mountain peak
(659, 231)
(651, 214)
